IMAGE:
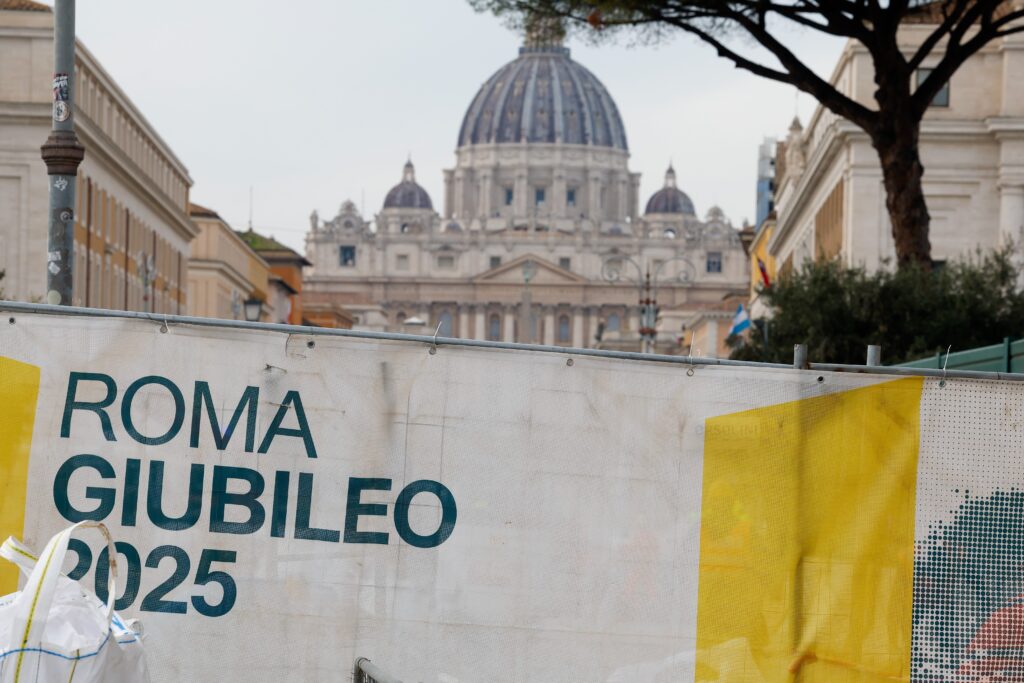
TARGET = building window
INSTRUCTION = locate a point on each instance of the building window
(509, 196)
(563, 329)
(570, 197)
(565, 263)
(538, 196)
(614, 323)
(714, 262)
(446, 262)
(347, 256)
(495, 261)
(400, 317)
(670, 234)
(402, 262)
(941, 98)
(494, 327)
(444, 326)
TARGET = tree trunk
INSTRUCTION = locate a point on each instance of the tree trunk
(904, 198)
(896, 141)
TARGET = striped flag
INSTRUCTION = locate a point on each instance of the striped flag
(740, 321)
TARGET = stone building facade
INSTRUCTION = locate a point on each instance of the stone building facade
(132, 228)
(540, 238)
(224, 272)
(830, 200)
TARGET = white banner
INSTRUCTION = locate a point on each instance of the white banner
(285, 503)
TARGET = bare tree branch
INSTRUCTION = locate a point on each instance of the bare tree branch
(805, 79)
(938, 34)
(953, 31)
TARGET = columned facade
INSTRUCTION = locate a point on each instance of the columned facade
(829, 197)
(541, 192)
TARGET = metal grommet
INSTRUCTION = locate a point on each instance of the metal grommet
(689, 372)
(10, 320)
(433, 350)
(942, 383)
(569, 362)
(310, 344)
(820, 379)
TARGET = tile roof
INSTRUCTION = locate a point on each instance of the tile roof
(197, 210)
(23, 6)
(261, 242)
(264, 246)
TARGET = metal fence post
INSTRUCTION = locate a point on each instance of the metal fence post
(800, 356)
(62, 154)
(874, 355)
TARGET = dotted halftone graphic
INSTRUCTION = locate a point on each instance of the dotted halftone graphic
(968, 614)
(969, 593)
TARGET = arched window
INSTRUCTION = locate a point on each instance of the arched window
(613, 323)
(563, 328)
(400, 317)
(445, 330)
(670, 234)
(494, 327)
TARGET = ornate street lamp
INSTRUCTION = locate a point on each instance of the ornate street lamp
(526, 323)
(253, 308)
(647, 289)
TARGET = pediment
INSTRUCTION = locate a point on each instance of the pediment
(547, 273)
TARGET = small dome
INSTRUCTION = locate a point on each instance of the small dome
(408, 194)
(670, 199)
(715, 213)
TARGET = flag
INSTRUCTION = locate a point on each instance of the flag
(740, 321)
(764, 274)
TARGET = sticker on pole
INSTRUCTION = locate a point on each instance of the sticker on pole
(61, 95)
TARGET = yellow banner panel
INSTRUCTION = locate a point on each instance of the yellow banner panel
(807, 539)
(19, 388)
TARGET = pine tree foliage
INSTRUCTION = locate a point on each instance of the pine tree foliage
(911, 312)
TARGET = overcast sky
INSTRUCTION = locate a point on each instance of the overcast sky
(312, 102)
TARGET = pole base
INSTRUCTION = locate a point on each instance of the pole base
(62, 153)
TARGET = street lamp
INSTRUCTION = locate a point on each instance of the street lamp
(647, 288)
(526, 318)
(253, 308)
(147, 273)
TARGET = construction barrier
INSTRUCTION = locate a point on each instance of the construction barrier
(286, 502)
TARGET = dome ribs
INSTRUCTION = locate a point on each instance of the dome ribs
(543, 97)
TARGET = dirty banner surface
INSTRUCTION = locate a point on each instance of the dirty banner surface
(285, 503)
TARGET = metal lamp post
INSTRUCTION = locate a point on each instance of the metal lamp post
(62, 154)
(647, 289)
(526, 315)
(147, 273)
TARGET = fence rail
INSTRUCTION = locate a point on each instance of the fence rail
(1005, 357)
(368, 672)
(435, 342)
